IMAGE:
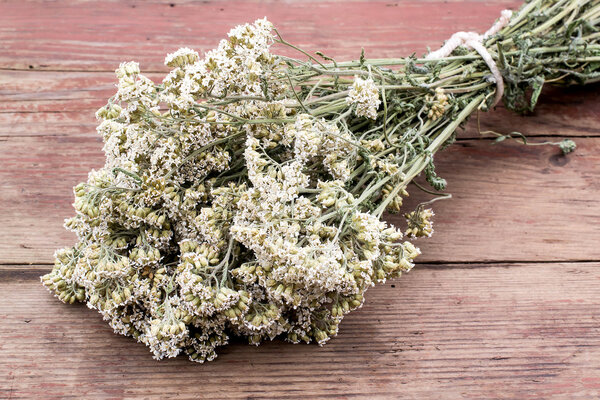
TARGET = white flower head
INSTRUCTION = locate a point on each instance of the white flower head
(181, 57)
(365, 96)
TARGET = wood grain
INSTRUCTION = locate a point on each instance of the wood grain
(504, 305)
(101, 36)
(519, 331)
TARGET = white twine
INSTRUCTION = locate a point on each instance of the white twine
(473, 40)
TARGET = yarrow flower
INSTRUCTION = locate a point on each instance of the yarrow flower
(419, 223)
(364, 95)
(244, 194)
(182, 57)
(438, 103)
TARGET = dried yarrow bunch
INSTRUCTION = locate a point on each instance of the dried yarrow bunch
(243, 195)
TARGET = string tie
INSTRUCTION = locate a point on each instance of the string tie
(473, 40)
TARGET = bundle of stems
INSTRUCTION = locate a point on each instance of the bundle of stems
(244, 194)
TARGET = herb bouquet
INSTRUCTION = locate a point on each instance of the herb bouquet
(244, 194)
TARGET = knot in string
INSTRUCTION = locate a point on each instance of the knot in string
(473, 40)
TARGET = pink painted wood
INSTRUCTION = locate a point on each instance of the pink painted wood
(503, 305)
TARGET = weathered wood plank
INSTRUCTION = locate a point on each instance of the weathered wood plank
(102, 36)
(507, 331)
(443, 331)
(511, 202)
(49, 91)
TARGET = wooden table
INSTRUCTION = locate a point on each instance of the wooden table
(503, 304)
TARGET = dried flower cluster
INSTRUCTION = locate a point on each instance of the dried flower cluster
(244, 194)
